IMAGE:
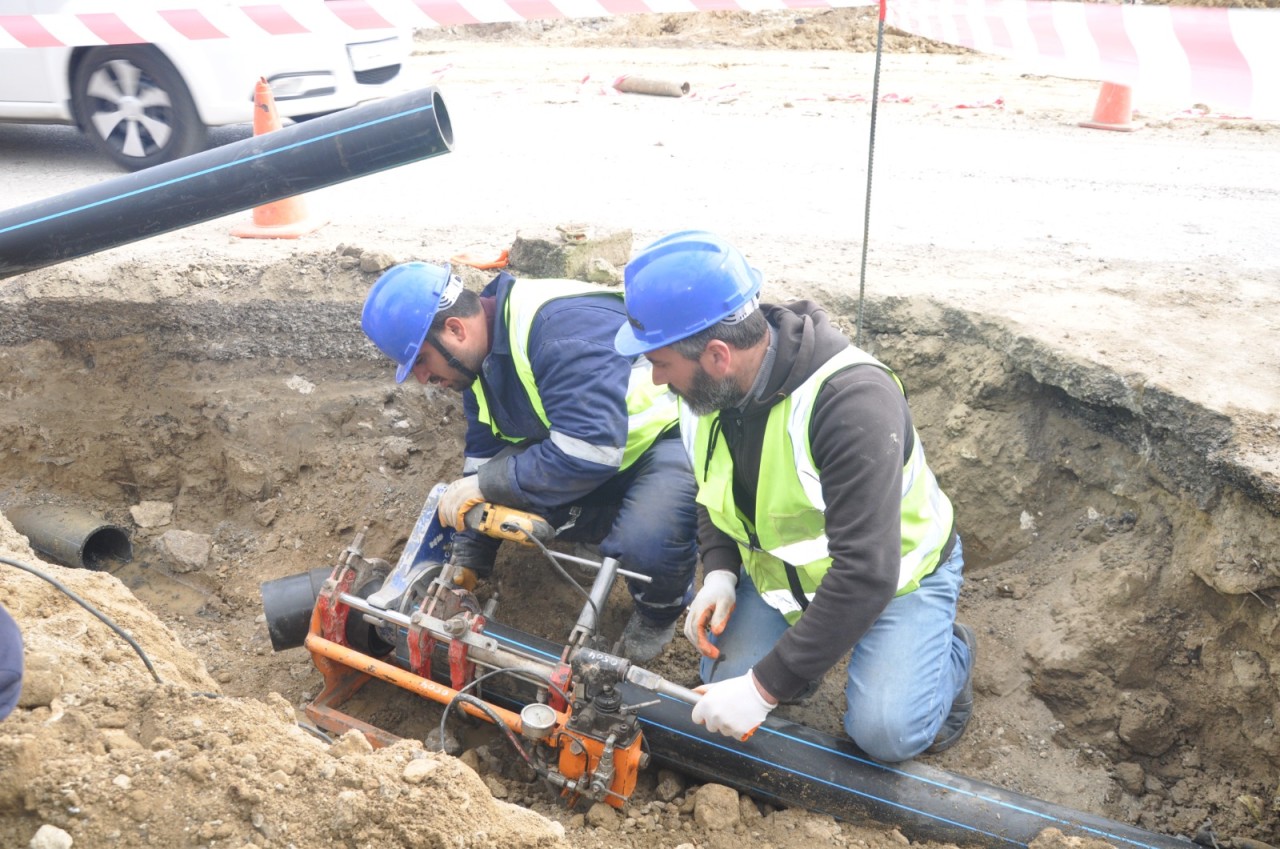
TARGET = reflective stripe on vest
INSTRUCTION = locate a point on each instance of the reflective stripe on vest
(650, 409)
(790, 522)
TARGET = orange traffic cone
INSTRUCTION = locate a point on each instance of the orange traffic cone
(283, 219)
(1114, 110)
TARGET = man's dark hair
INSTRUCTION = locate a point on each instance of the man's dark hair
(467, 305)
(742, 335)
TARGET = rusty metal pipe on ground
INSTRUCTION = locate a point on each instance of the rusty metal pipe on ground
(238, 176)
(628, 84)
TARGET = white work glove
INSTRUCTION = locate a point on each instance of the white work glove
(733, 707)
(710, 610)
(458, 498)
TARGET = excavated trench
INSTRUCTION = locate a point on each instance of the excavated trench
(1123, 558)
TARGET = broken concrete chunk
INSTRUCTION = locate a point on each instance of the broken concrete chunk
(396, 451)
(567, 253)
(41, 680)
(602, 816)
(186, 551)
(604, 272)
(373, 262)
(670, 785)
(50, 837)
(351, 743)
(151, 514)
(417, 770)
(715, 807)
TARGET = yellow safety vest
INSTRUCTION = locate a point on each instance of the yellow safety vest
(650, 409)
(790, 526)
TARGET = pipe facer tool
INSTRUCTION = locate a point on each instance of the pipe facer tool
(412, 626)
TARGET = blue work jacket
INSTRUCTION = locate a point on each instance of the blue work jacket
(583, 385)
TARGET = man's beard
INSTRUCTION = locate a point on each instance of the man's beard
(708, 394)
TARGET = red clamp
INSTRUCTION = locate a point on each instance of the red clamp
(560, 683)
(421, 647)
(461, 670)
(333, 613)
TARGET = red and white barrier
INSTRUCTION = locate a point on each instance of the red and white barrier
(1226, 58)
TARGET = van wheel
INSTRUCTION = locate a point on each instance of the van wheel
(134, 106)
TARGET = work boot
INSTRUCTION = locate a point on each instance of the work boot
(962, 708)
(643, 639)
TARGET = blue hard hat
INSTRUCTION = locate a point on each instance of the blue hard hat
(681, 284)
(400, 307)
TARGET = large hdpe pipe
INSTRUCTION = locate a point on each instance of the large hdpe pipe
(71, 536)
(241, 175)
(796, 766)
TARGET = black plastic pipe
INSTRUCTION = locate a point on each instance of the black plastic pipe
(71, 536)
(241, 175)
(796, 766)
(287, 604)
(790, 764)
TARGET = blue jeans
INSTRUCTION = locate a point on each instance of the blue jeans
(645, 517)
(903, 674)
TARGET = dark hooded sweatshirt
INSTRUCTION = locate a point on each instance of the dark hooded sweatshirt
(861, 434)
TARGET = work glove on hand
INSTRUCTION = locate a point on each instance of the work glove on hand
(734, 707)
(465, 578)
(710, 610)
(458, 498)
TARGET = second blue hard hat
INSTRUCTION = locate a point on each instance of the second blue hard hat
(681, 284)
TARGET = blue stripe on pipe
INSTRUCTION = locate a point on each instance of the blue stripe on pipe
(738, 752)
(238, 162)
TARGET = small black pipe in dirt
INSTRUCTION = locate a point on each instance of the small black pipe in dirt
(71, 536)
(287, 604)
(255, 171)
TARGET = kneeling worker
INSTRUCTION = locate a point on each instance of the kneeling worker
(810, 475)
(558, 423)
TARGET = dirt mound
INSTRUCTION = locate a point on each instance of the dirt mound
(102, 751)
(810, 29)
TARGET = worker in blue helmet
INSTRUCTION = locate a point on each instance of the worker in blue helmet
(10, 663)
(823, 533)
(558, 423)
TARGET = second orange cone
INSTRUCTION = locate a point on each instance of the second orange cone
(282, 219)
(1114, 110)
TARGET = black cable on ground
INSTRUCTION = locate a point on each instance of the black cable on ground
(485, 708)
(871, 153)
(124, 635)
